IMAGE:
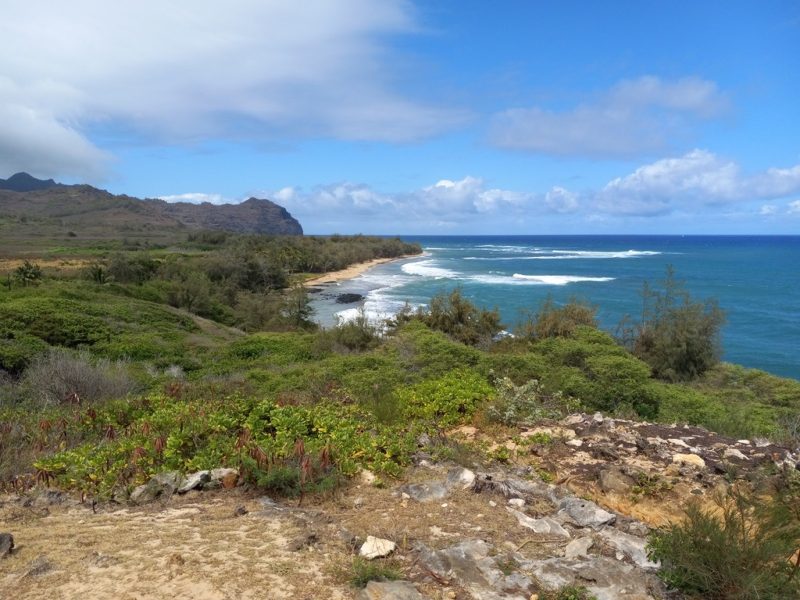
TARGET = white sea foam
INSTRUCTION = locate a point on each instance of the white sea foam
(518, 279)
(428, 268)
(569, 255)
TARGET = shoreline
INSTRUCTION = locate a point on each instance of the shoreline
(352, 271)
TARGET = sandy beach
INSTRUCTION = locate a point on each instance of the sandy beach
(352, 271)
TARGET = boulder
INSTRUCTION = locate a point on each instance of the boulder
(162, 485)
(584, 513)
(222, 477)
(691, 460)
(6, 544)
(734, 453)
(390, 590)
(376, 548)
(195, 481)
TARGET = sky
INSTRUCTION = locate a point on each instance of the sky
(401, 117)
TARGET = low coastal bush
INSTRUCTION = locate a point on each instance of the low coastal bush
(59, 376)
(746, 549)
(528, 403)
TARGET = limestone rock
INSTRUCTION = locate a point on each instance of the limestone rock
(376, 548)
(390, 590)
(631, 546)
(516, 502)
(584, 513)
(425, 492)
(6, 544)
(578, 547)
(691, 460)
(41, 565)
(469, 564)
(461, 478)
(544, 525)
(195, 481)
(734, 453)
(605, 578)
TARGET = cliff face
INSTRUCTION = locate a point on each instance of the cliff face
(83, 208)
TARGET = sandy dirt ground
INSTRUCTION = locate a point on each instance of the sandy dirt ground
(195, 547)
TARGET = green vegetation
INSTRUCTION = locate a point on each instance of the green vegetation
(141, 361)
(569, 592)
(363, 571)
(747, 549)
(677, 336)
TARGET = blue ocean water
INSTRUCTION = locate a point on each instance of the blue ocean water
(756, 280)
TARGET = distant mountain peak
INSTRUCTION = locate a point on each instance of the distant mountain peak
(23, 182)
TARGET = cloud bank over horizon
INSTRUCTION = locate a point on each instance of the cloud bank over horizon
(690, 184)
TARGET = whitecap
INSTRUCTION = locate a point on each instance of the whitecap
(518, 279)
(428, 268)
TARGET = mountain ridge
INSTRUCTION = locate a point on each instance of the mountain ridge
(80, 208)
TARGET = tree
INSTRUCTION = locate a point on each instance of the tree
(677, 336)
(28, 273)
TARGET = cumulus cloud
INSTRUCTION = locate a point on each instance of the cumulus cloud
(441, 205)
(690, 182)
(197, 198)
(186, 71)
(794, 207)
(633, 117)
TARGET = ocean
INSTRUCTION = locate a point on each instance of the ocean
(755, 279)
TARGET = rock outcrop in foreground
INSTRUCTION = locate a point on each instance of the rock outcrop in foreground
(571, 503)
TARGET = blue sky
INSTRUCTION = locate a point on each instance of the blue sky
(428, 117)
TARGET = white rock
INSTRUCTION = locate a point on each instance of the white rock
(579, 547)
(689, 459)
(492, 503)
(518, 502)
(575, 443)
(367, 477)
(631, 546)
(734, 453)
(462, 478)
(543, 525)
(376, 548)
(743, 442)
(597, 418)
(677, 442)
(572, 420)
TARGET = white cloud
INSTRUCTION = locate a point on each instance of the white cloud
(197, 198)
(561, 200)
(794, 207)
(634, 117)
(185, 71)
(767, 210)
(690, 182)
(444, 204)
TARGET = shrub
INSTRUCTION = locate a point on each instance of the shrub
(448, 400)
(570, 592)
(527, 403)
(17, 350)
(364, 571)
(458, 317)
(743, 551)
(557, 321)
(60, 376)
(28, 273)
(677, 336)
(354, 335)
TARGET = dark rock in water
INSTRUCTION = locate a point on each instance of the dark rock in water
(6, 544)
(314, 290)
(349, 298)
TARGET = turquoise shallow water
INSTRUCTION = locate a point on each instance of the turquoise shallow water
(756, 280)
